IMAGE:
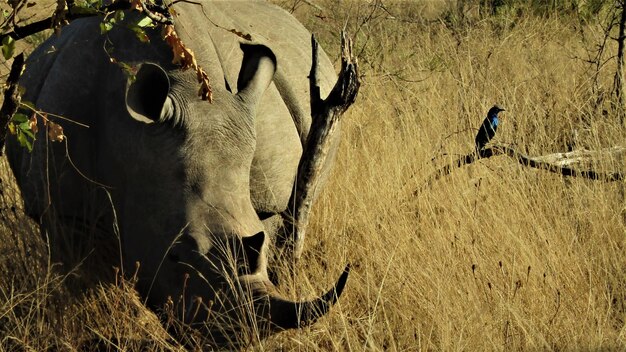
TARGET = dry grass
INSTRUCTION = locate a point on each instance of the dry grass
(492, 257)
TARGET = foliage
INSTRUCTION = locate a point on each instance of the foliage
(8, 47)
(22, 127)
(25, 129)
(117, 18)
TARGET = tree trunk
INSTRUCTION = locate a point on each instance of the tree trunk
(12, 98)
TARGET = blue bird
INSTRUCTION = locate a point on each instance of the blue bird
(488, 129)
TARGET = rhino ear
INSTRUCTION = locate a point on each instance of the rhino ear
(257, 71)
(147, 95)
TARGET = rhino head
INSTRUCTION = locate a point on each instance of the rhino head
(170, 174)
(184, 206)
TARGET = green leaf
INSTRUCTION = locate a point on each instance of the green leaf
(106, 26)
(24, 126)
(23, 140)
(8, 47)
(119, 16)
(145, 22)
(29, 133)
(19, 118)
(20, 126)
(140, 34)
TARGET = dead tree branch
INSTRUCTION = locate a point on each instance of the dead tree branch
(559, 163)
(11, 98)
(326, 115)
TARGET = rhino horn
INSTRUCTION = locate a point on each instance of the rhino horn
(285, 314)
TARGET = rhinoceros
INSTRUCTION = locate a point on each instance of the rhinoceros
(192, 190)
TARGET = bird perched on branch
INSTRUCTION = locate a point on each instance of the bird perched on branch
(488, 129)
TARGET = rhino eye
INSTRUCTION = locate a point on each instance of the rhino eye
(167, 112)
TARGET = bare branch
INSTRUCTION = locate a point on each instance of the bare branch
(559, 163)
(157, 12)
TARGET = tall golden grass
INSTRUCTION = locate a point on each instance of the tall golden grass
(494, 256)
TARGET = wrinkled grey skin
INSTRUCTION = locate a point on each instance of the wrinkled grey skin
(181, 180)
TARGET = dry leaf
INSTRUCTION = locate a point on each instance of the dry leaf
(136, 5)
(55, 132)
(184, 57)
(205, 91)
(32, 123)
